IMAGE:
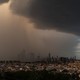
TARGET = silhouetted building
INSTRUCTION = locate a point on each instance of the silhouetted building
(22, 56)
(32, 57)
(49, 57)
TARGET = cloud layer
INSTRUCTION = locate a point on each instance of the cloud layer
(3, 1)
(62, 15)
(17, 33)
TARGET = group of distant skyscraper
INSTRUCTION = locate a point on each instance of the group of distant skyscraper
(58, 59)
(49, 59)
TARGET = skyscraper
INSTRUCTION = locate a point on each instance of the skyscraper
(22, 56)
(49, 57)
(32, 57)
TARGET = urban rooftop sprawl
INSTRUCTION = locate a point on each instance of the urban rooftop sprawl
(49, 68)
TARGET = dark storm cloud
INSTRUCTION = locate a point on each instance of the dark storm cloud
(63, 15)
(3, 1)
(17, 34)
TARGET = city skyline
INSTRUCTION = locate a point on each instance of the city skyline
(18, 32)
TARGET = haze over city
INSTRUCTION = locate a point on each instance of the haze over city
(33, 26)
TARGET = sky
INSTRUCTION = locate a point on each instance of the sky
(29, 25)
